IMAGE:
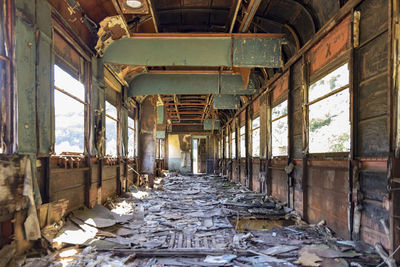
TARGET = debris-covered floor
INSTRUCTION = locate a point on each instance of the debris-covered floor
(194, 221)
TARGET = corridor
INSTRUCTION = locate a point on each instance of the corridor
(198, 221)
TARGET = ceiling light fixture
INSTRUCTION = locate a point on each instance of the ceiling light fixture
(134, 3)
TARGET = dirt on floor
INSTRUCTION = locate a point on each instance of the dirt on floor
(193, 221)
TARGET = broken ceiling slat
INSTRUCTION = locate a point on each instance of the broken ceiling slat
(198, 50)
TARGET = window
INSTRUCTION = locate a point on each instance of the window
(227, 147)
(69, 109)
(131, 138)
(160, 148)
(111, 130)
(280, 130)
(233, 152)
(243, 142)
(329, 120)
(221, 148)
(255, 137)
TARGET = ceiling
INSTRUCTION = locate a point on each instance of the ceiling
(299, 20)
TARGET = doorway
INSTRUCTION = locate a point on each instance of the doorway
(195, 156)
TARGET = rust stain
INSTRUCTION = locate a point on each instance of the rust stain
(280, 87)
(256, 106)
(335, 44)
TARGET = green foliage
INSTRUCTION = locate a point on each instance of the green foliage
(338, 143)
(316, 124)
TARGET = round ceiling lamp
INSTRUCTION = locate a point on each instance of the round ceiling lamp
(134, 3)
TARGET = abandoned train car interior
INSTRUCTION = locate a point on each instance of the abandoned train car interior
(199, 132)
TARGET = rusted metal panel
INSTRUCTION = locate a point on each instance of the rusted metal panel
(255, 172)
(332, 46)
(280, 88)
(256, 107)
(327, 197)
(242, 117)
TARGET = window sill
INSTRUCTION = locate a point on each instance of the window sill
(329, 155)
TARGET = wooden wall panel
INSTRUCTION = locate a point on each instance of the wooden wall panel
(374, 18)
(256, 175)
(279, 185)
(68, 184)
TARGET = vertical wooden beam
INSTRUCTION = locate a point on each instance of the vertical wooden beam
(268, 174)
(290, 179)
(353, 122)
(248, 152)
(394, 83)
(304, 93)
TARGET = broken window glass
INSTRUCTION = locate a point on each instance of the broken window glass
(255, 137)
(233, 145)
(280, 130)
(329, 118)
(111, 130)
(131, 138)
(243, 142)
(69, 110)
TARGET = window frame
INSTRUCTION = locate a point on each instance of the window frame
(277, 119)
(242, 135)
(160, 148)
(134, 137)
(86, 108)
(227, 147)
(233, 144)
(315, 77)
(118, 128)
(257, 116)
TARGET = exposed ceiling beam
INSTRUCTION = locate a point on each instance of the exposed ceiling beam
(191, 84)
(249, 15)
(228, 50)
(239, 2)
(153, 17)
(176, 101)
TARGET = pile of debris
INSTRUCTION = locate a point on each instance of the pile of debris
(195, 221)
